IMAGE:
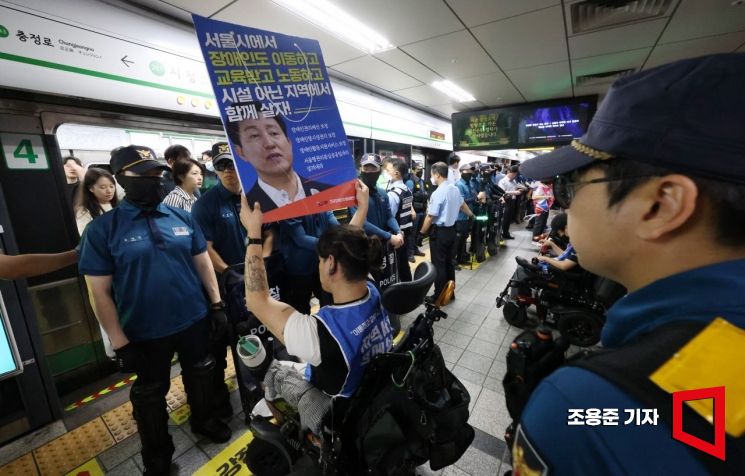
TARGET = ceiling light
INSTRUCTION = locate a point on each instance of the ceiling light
(339, 23)
(453, 91)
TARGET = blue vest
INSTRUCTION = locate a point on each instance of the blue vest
(362, 330)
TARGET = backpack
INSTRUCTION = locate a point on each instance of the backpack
(409, 409)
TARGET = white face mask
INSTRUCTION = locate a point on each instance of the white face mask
(386, 177)
(432, 179)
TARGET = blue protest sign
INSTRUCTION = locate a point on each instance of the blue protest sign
(281, 119)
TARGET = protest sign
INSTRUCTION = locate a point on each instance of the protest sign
(281, 119)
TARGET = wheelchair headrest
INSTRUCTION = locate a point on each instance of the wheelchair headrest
(404, 297)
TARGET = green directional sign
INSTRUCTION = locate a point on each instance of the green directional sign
(3, 32)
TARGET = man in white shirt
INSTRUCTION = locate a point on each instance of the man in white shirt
(511, 192)
(453, 168)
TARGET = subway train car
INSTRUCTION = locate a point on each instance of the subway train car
(483, 78)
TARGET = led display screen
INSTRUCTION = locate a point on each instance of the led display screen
(544, 124)
(553, 124)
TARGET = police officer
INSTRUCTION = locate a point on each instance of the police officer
(658, 178)
(147, 267)
(218, 215)
(419, 193)
(380, 222)
(511, 196)
(444, 206)
(401, 201)
(463, 225)
(298, 243)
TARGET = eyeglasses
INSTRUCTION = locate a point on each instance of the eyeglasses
(224, 165)
(565, 189)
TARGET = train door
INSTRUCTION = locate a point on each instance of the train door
(56, 333)
(33, 220)
(90, 136)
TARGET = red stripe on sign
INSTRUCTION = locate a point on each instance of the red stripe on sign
(340, 196)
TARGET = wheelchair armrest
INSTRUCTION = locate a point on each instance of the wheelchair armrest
(527, 264)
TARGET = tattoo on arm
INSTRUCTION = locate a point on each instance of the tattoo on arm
(256, 275)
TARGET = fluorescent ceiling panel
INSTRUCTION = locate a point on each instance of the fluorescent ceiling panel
(338, 22)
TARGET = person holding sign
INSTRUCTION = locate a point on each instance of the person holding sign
(380, 221)
(336, 343)
(263, 143)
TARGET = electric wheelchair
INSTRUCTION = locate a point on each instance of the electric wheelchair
(409, 408)
(575, 303)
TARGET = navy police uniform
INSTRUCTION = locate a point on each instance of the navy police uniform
(381, 223)
(298, 239)
(401, 201)
(675, 333)
(463, 226)
(419, 194)
(217, 213)
(148, 250)
(562, 449)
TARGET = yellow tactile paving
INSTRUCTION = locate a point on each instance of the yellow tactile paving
(230, 369)
(176, 396)
(120, 421)
(73, 448)
(180, 415)
(22, 466)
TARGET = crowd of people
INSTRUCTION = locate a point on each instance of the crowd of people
(171, 240)
(672, 213)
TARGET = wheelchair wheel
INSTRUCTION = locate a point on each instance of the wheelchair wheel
(581, 328)
(515, 314)
(265, 459)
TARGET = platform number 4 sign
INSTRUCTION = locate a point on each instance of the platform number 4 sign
(24, 152)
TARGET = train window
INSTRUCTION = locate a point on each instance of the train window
(93, 144)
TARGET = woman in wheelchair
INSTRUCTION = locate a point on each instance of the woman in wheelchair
(336, 343)
(566, 261)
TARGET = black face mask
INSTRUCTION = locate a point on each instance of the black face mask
(370, 179)
(144, 192)
(466, 177)
(418, 173)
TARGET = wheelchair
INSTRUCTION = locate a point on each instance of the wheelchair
(574, 303)
(408, 409)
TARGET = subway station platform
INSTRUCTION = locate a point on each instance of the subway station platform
(98, 435)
